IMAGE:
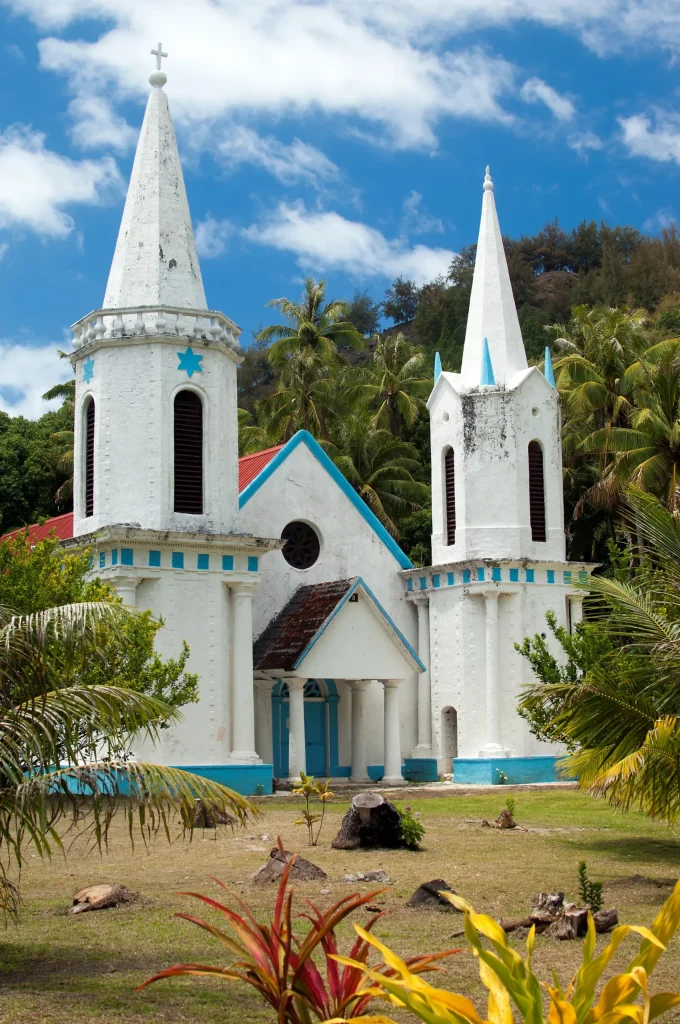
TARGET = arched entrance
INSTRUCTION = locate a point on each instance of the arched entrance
(449, 735)
(321, 727)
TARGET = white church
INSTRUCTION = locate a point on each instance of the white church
(319, 647)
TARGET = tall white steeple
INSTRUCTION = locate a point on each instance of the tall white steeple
(155, 259)
(492, 318)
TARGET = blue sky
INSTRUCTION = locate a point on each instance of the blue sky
(342, 138)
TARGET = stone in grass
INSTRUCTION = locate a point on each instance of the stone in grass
(101, 897)
(371, 821)
(427, 896)
(301, 871)
(211, 817)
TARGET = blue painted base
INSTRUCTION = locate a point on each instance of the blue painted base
(485, 771)
(376, 772)
(420, 769)
(246, 779)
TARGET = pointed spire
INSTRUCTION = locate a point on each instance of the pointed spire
(488, 378)
(155, 262)
(437, 366)
(548, 367)
(492, 316)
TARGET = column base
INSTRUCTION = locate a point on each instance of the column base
(390, 781)
(494, 750)
(244, 757)
(421, 751)
(360, 780)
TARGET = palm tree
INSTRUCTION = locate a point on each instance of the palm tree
(647, 453)
(65, 438)
(251, 437)
(380, 468)
(395, 382)
(625, 723)
(64, 746)
(305, 398)
(313, 325)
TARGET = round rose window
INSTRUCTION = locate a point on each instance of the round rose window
(302, 547)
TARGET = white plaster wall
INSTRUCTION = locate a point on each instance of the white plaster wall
(301, 489)
(133, 387)
(458, 671)
(489, 432)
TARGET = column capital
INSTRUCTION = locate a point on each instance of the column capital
(263, 684)
(391, 684)
(421, 599)
(296, 683)
(359, 684)
(241, 588)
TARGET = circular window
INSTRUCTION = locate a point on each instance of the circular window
(302, 547)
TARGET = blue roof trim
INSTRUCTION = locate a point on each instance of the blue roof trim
(487, 366)
(359, 583)
(548, 367)
(304, 437)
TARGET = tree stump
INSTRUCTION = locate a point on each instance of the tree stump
(605, 920)
(371, 821)
(211, 817)
(427, 895)
(302, 870)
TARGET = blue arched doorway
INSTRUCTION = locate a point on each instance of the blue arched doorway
(321, 727)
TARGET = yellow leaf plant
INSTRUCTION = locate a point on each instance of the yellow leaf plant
(511, 982)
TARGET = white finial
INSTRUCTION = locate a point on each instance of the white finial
(488, 184)
(158, 78)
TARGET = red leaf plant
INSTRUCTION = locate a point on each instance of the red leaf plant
(279, 964)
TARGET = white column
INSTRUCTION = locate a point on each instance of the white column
(424, 747)
(392, 776)
(263, 719)
(492, 748)
(126, 587)
(359, 746)
(297, 753)
(243, 696)
(575, 610)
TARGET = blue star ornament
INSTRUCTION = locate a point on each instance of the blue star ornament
(190, 361)
(88, 369)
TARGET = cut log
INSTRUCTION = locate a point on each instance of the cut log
(553, 902)
(605, 920)
(515, 923)
(371, 821)
(101, 897)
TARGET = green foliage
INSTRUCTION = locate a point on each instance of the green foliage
(412, 829)
(510, 806)
(401, 301)
(280, 965)
(30, 469)
(589, 892)
(415, 536)
(33, 579)
(364, 313)
(307, 789)
(502, 777)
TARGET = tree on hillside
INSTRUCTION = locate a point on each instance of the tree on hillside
(401, 301)
(313, 326)
(364, 313)
(394, 383)
(30, 473)
(306, 398)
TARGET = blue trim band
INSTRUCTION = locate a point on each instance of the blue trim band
(227, 563)
(529, 574)
(114, 556)
(203, 562)
(496, 574)
(514, 575)
(178, 559)
(102, 559)
(304, 437)
(551, 575)
(253, 563)
(451, 579)
(154, 559)
(127, 556)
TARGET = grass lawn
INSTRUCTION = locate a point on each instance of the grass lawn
(83, 969)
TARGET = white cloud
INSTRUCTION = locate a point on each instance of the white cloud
(661, 219)
(211, 237)
(4, 247)
(97, 125)
(417, 220)
(326, 240)
(582, 142)
(658, 140)
(26, 372)
(290, 164)
(535, 90)
(35, 183)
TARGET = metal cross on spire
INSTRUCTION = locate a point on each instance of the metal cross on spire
(159, 54)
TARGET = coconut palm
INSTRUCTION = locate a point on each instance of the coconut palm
(65, 438)
(314, 325)
(647, 453)
(65, 746)
(306, 398)
(380, 468)
(394, 383)
(625, 724)
(251, 437)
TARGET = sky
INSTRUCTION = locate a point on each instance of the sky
(345, 139)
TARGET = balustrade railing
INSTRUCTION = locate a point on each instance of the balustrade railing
(156, 321)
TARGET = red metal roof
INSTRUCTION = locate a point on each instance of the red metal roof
(249, 466)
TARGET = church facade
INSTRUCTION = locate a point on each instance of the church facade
(319, 647)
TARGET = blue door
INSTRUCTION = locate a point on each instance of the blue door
(315, 735)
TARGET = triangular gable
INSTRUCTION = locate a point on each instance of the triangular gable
(304, 437)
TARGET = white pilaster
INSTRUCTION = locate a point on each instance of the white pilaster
(359, 745)
(575, 610)
(492, 747)
(263, 719)
(243, 697)
(126, 587)
(297, 752)
(392, 776)
(424, 747)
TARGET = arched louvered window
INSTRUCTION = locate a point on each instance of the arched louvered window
(89, 457)
(188, 453)
(450, 496)
(536, 492)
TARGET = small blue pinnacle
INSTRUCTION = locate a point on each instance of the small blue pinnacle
(547, 368)
(487, 367)
(437, 366)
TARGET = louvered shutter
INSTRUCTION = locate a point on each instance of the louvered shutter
(89, 458)
(188, 453)
(536, 492)
(450, 496)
